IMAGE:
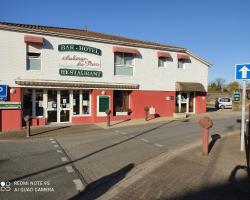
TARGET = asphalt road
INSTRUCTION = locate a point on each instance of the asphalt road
(87, 161)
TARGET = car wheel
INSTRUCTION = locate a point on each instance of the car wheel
(222, 107)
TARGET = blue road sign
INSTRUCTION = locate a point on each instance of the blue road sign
(242, 72)
(3, 92)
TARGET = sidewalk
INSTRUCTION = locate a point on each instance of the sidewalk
(190, 175)
(67, 129)
(134, 122)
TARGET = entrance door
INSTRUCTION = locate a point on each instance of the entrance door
(64, 106)
(103, 105)
(52, 106)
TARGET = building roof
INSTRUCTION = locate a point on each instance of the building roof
(94, 36)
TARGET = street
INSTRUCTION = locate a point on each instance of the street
(66, 165)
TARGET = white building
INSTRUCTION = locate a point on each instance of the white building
(61, 75)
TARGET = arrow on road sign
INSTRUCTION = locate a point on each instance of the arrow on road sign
(244, 71)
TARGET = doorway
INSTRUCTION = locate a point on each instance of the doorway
(58, 106)
(185, 102)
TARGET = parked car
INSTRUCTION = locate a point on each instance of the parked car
(223, 102)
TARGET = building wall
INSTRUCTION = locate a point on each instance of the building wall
(11, 119)
(146, 71)
(200, 102)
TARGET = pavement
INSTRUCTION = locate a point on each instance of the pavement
(187, 174)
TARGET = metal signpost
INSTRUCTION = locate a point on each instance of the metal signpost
(242, 73)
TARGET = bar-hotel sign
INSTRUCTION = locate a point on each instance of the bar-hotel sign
(79, 59)
(79, 48)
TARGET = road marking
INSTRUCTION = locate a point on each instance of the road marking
(158, 145)
(79, 185)
(59, 151)
(51, 139)
(53, 142)
(64, 159)
(144, 140)
(56, 145)
(116, 131)
(69, 169)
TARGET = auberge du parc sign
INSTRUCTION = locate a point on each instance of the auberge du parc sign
(80, 57)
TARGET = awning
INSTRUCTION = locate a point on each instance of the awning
(163, 54)
(33, 39)
(183, 56)
(74, 84)
(125, 50)
(189, 87)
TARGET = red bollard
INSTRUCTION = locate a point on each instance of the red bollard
(206, 123)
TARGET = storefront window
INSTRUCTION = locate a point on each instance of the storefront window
(85, 102)
(76, 102)
(27, 102)
(121, 102)
(39, 102)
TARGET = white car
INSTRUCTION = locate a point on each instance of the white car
(223, 102)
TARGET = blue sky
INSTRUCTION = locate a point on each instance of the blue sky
(216, 30)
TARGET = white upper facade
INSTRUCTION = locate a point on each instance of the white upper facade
(146, 72)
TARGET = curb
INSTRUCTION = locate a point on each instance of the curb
(145, 168)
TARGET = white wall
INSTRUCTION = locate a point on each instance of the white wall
(146, 71)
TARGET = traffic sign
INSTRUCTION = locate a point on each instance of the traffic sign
(236, 96)
(3, 93)
(242, 71)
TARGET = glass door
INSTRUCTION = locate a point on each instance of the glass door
(52, 106)
(64, 106)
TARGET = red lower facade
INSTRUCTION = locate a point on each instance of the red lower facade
(162, 102)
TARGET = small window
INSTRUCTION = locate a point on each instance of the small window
(181, 64)
(33, 61)
(124, 64)
(34, 57)
(162, 62)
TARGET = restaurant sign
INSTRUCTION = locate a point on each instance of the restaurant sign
(80, 73)
(79, 48)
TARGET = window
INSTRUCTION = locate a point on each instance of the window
(121, 101)
(34, 57)
(76, 102)
(181, 64)
(124, 64)
(39, 102)
(162, 62)
(85, 102)
(81, 102)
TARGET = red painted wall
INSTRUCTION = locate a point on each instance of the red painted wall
(12, 119)
(200, 102)
(140, 99)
